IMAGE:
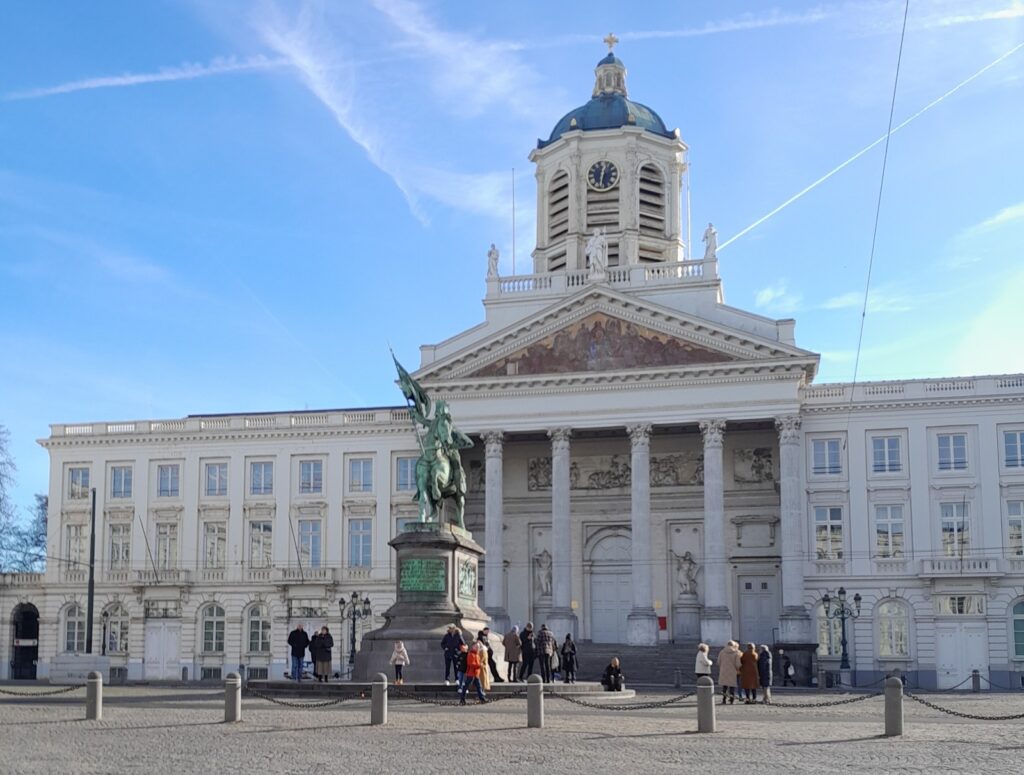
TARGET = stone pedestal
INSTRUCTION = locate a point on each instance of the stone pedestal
(642, 627)
(686, 619)
(436, 586)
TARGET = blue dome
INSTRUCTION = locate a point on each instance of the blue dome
(611, 59)
(608, 111)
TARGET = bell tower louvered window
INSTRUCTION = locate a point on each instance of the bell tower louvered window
(558, 208)
(652, 202)
(603, 208)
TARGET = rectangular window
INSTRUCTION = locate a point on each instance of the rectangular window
(167, 484)
(885, 453)
(311, 476)
(960, 605)
(215, 539)
(120, 546)
(166, 546)
(889, 531)
(360, 474)
(359, 547)
(309, 542)
(828, 532)
(1013, 448)
(406, 473)
(952, 451)
(76, 547)
(78, 483)
(1015, 527)
(827, 458)
(261, 478)
(216, 479)
(261, 549)
(121, 482)
(955, 528)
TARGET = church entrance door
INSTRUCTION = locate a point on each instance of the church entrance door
(162, 639)
(611, 589)
(759, 609)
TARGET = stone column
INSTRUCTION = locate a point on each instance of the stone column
(494, 578)
(642, 629)
(795, 623)
(716, 620)
(562, 619)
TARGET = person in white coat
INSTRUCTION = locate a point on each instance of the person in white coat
(399, 658)
(702, 665)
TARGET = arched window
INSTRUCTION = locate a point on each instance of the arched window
(259, 629)
(1018, 629)
(893, 629)
(830, 635)
(74, 630)
(213, 629)
(652, 201)
(117, 629)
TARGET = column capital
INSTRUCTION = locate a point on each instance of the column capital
(788, 427)
(639, 435)
(493, 442)
(713, 431)
(560, 438)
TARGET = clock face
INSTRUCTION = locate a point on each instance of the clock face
(603, 175)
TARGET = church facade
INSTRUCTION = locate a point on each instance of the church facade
(651, 466)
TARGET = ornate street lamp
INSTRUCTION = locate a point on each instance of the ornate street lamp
(838, 609)
(354, 610)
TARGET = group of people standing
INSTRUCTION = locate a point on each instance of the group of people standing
(319, 646)
(744, 671)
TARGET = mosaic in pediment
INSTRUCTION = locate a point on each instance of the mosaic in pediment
(600, 342)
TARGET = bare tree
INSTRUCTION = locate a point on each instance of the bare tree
(9, 538)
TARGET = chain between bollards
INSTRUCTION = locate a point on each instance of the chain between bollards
(94, 696)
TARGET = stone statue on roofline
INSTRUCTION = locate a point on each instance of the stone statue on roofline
(597, 254)
(492, 262)
(710, 240)
(439, 472)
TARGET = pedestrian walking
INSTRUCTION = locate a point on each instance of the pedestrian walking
(450, 644)
(546, 648)
(529, 651)
(702, 664)
(399, 658)
(484, 636)
(729, 670)
(613, 678)
(749, 677)
(474, 667)
(788, 671)
(764, 673)
(298, 640)
(320, 646)
(513, 653)
(569, 663)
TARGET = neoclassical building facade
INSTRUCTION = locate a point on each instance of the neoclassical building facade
(652, 466)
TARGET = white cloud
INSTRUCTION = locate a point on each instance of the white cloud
(878, 301)
(990, 343)
(184, 72)
(115, 263)
(1005, 217)
(777, 298)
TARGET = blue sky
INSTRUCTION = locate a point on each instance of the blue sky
(233, 206)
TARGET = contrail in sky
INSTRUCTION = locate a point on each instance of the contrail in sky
(864, 150)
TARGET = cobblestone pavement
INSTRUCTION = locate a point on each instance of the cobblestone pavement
(156, 730)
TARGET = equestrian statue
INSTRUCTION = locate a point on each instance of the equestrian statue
(439, 472)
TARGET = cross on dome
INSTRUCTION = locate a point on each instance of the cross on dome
(611, 40)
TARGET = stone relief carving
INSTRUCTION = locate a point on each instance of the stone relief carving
(752, 466)
(467, 580)
(542, 571)
(608, 472)
(601, 343)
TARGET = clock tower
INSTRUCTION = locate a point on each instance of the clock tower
(612, 165)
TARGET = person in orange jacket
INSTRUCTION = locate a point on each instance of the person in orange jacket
(474, 663)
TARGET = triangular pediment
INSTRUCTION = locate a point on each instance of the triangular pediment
(600, 342)
(603, 332)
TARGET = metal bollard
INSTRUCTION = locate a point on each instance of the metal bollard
(678, 678)
(705, 704)
(534, 702)
(233, 697)
(379, 700)
(893, 707)
(94, 696)
(975, 681)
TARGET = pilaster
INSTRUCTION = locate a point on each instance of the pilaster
(716, 620)
(562, 618)
(494, 561)
(642, 628)
(795, 622)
